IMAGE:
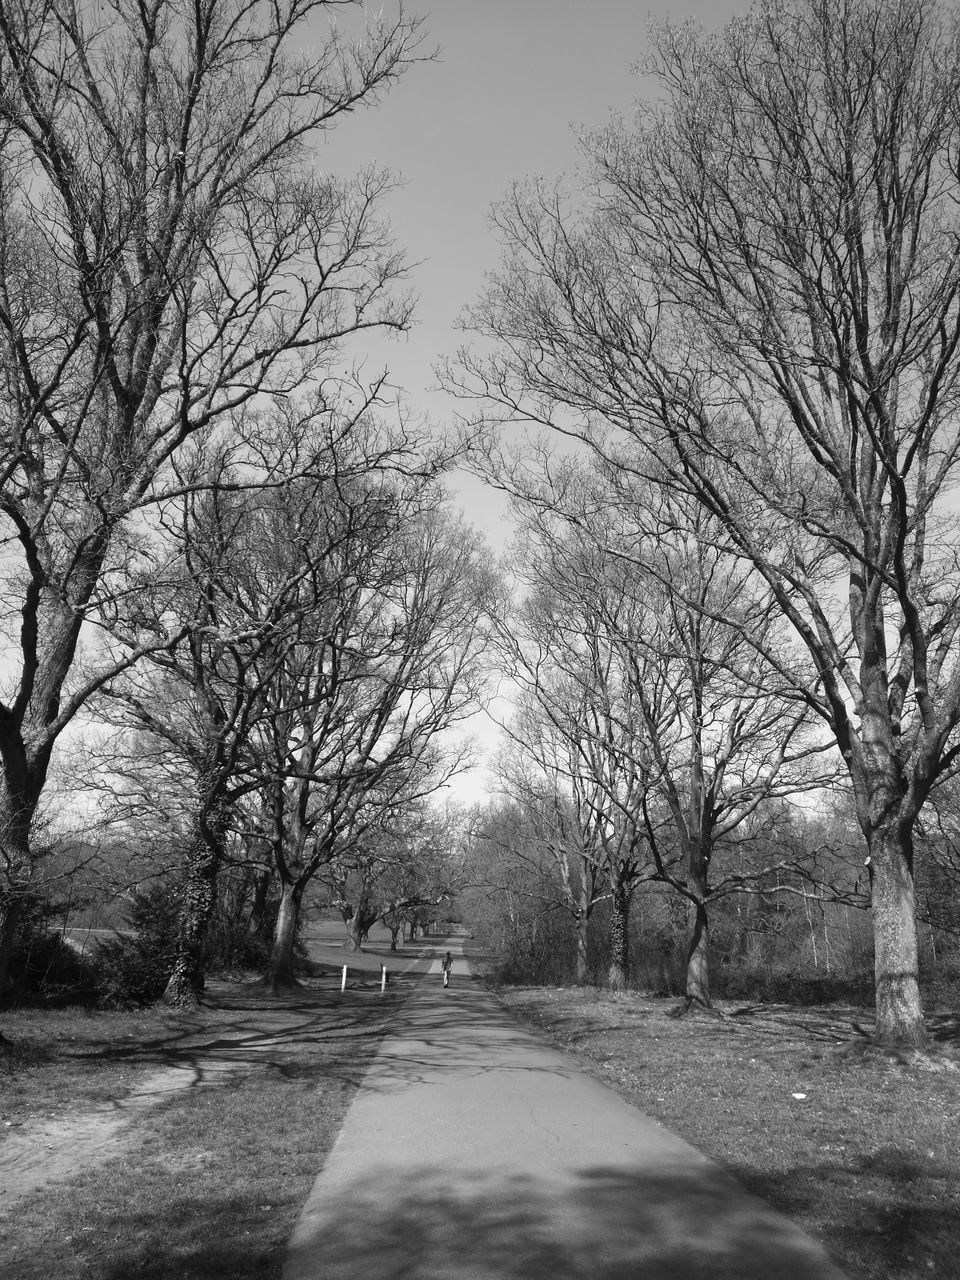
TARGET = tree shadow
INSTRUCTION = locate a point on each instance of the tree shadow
(905, 1219)
(606, 1223)
(305, 1033)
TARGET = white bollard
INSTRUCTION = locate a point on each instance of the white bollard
(343, 979)
(383, 977)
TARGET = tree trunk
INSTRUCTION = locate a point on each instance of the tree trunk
(583, 967)
(354, 923)
(185, 987)
(899, 1007)
(9, 919)
(280, 974)
(258, 910)
(20, 789)
(583, 925)
(619, 939)
(698, 949)
(698, 958)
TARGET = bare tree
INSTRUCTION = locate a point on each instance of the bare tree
(509, 895)
(763, 307)
(400, 871)
(578, 723)
(201, 698)
(364, 711)
(645, 650)
(169, 255)
(551, 832)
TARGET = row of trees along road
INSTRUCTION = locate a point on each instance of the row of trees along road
(756, 305)
(651, 726)
(206, 527)
(334, 631)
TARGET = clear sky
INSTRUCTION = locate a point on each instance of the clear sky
(512, 83)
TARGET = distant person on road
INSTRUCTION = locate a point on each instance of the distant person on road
(446, 965)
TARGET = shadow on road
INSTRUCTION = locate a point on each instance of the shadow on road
(603, 1223)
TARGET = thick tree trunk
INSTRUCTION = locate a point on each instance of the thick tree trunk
(280, 975)
(354, 922)
(20, 789)
(185, 987)
(619, 939)
(900, 1020)
(698, 959)
(258, 909)
(583, 926)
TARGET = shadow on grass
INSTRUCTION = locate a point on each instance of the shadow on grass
(303, 1036)
(251, 1032)
(217, 1234)
(903, 1215)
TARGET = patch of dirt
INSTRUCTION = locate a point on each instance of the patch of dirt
(245, 1029)
(55, 1150)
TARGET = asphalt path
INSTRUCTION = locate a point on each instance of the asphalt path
(475, 1151)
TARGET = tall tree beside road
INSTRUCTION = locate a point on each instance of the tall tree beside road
(640, 662)
(578, 723)
(300, 679)
(169, 255)
(239, 583)
(763, 309)
(554, 832)
(364, 715)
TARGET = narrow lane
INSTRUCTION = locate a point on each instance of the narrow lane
(474, 1150)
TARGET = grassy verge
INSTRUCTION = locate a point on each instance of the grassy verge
(859, 1146)
(60, 1060)
(207, 1183)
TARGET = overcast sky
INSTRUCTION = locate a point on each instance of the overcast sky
(513, 82)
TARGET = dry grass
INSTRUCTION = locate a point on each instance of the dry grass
(208, 1182)
(858, 1145)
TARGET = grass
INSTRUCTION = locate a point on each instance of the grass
(60, 1060)
(858, 1145)
(207, 1183)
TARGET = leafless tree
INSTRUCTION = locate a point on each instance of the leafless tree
(401, 871)
(762, 305)
(200, 699)
(553, 833)
(577, 723)
(364, 713)
(639, 661)
(170, 254)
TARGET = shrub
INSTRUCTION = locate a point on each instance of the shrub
(133, 969)
(44, 967)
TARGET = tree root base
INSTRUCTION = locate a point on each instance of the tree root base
(280, 986)
(181, 999)
(692, 1005)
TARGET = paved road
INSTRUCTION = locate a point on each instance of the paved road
(476, 1152)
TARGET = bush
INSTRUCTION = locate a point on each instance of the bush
(133, 969)
(778, 986)
(44, 967)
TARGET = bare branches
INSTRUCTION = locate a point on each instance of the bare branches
(758, 305)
